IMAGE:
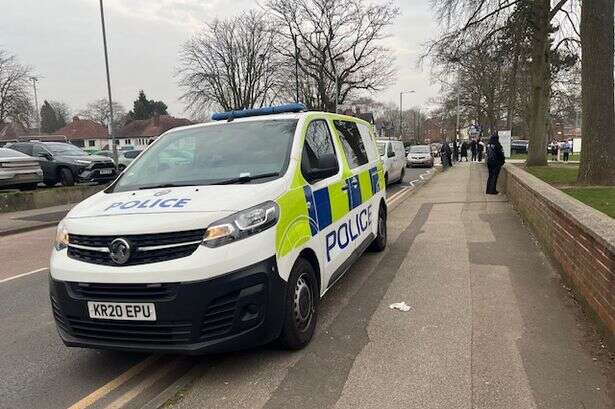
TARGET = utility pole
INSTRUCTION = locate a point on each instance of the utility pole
(110, 124)
(401, 111)
(294, 36)
(38, 113)
(337, 80)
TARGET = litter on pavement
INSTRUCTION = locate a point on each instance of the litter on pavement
(402, 306)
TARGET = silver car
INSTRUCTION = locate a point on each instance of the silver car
(18, 170)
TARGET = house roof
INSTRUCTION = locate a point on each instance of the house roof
(11, 131)
(152, 127)
(83, 129)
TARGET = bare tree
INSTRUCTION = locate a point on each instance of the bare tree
(489, 18)
(14, 90)
(98, 111)
(598, 152)
(335, 38)
(231, 65)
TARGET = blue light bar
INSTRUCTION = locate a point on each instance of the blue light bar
(277, 109)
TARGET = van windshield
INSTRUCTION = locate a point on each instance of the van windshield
(226, 153)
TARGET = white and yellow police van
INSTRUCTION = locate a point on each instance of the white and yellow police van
(221, 235)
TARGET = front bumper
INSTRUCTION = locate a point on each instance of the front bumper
(95, 175)
(238, 310)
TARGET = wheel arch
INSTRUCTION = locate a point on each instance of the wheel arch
(311, 257)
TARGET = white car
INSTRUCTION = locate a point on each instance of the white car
(420, 155)
(394, 157)
(221, 235)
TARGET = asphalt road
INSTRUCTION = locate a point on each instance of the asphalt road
(37, 371)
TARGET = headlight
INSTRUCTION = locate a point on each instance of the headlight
(242, 224)
(82, 162)
(61, 241)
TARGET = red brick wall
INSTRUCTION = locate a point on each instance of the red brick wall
(587, 259)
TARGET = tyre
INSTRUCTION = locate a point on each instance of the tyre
(66, 177)
(301, 307)
(380, 242)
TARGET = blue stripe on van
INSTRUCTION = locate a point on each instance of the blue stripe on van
(323, 208)
(309, 199)
(354, 192)
(373, 175)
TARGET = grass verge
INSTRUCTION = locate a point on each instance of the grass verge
(600, 198)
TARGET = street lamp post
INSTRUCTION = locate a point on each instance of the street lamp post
(38, 113)
(294, 36)
(337, 80)
(110, 124)
(401, 111)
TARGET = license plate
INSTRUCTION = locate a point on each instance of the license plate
(122, 311)
(106, 171)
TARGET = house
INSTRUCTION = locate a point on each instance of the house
(85, 133)
(10, 131)
(141, 132)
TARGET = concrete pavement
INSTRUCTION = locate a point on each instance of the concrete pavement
(491, 325)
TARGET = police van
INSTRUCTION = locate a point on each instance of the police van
(221, 235)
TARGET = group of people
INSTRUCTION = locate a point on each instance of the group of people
(566, 148)
(493, 151)
(475, 147)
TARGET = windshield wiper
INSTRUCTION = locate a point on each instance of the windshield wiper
(245, 178)
(165, 185)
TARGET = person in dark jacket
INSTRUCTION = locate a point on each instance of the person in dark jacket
(473, 149)
(455, 151)
(480, 148)
(464, 150)
(495, 161)
(446, 155)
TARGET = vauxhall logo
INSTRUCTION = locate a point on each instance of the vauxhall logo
(119, 251)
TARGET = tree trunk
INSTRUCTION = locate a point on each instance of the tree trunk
(598, 153)
(541, 84)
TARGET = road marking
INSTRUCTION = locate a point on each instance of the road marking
(143, 385)
(115, 383)
(23, 275)
(397, 194)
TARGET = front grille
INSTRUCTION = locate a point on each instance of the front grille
(191, 238)
(173, 332)
(119, 292)
(219, 316)
(102, 165)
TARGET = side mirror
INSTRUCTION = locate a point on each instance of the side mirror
(316, 174)
(391, 154)
(45, 155)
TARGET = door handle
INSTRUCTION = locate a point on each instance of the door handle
(345, 188)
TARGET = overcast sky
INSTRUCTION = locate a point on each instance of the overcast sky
(62, 40)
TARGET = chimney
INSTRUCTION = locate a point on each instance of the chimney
(75, 118)
(156, 119)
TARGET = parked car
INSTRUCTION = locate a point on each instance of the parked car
(420, 155)
(519, 146)
(66, 164)
(18, 170)
(393, 156)
(124, 158)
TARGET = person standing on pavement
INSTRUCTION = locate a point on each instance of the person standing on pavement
(480, 147)
(445, 155)
(567, 148)
(495, 161)
(473, 149)
(455, 151)
(464, 150)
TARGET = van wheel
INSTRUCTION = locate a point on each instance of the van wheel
(301, 307)
(380, 242)
(66, 177)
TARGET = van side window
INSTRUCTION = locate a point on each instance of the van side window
(318, 160)
(352, 142)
